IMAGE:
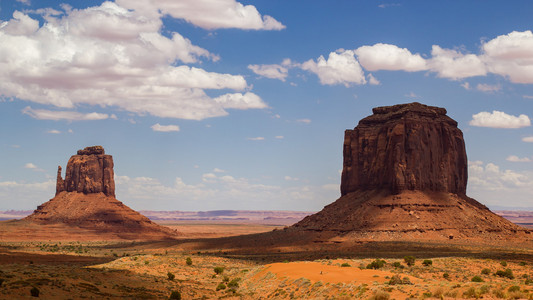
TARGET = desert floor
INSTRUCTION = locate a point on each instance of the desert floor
(154, 270)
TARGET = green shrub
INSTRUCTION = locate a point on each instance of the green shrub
(188, 261)
(146, 262)
(34, 292)
(477, 279)
(346, 265)
(234, 283)
(376, 264)
(427, 262)
(219, 270)
(503, 263)
(522, 263)
(409, 260)
(175, 295)
(380, 295)
(396, 279)
(397, 264)
(221, 286)
(171, 276)
(508, 273)
(514, 288)
(485, 271)
(471, 293)
(446, 276)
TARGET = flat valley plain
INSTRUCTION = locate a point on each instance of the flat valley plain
(164, 269)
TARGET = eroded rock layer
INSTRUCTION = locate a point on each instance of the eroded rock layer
(405, 147)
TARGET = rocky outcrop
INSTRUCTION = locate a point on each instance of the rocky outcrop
(405, 147)
(85, 205)
(90, 171)
(404, 177)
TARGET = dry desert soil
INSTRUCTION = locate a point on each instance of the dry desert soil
(160, 269)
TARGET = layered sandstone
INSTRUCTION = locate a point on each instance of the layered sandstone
(90, 171)
(405, 147)
(85, 204)
(404, 176)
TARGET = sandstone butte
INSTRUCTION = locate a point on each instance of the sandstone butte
(85, 207)
(404, 177)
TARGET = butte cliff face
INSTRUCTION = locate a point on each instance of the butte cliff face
(404, 176)
(405, 147)
(85, 204)
(90, 171)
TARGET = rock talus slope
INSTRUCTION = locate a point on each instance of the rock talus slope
(404, 175)
(85, 199)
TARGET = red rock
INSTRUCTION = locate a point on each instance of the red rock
(90, 171)
(405, 147)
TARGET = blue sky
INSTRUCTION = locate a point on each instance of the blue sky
(243, 105)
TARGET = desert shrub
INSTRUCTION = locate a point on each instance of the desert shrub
(225, 279)
(508, 273)
(376, 264)
(498, 294)
(234, 283)
(514, 288)
(380, 295)
(188, 261)
(397, 264)
(146, 262)
(171, 276)
(409, 260)
(485, 271)
(446, 276)
(503, 263)
(477, 279)
(221, 286)
(427, 262)
(484, 289)
(438, 293)
(175, 295)
(396, 279)
(1, 281)
(346, 265)
(34, 292)
(471, 293)
(218, 270)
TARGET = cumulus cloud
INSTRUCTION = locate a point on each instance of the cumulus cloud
(304, 121)
(240, 101)
(514, 158)
(30, 166)
(270, 71)
(29, 195)
(208, 14)
(498, 119)
(389, 57)
(56, 115)
(53, 131)
(491, 185)
(165, 128)
(341, 67)
(455, 65)
(259, 138)
(527, 139)
(112, 55)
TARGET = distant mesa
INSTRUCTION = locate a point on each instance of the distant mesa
(404, 176)
(85, 205)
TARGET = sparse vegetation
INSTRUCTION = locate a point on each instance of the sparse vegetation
(345, 265)
(34, 292)
(171, 276)
(427, 262)
(508, 273)
(477, 279)
(485, 271)
(219, 270)
(175, 295)
(376, 264)
(188, 261)
(380, 295)
(221, 286)
(446, 276)
(409, 260)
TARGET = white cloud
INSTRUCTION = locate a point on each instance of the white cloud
(29, 195)
(304, 121)
(217, 170)
(487, 88)
(240, 101)
(510, 55)
(389, 57)
(270, 71)
(279, 137)
(493, 186)
(498, 119)
(466, 85)
(208, 14)
(372, 80)
(30, 166)
(289, 178)
(259, 138)
(514, 158)
(111, 56)
(452, 64)
(43, 114)
(341, 67)
(165, 128)
(527, 139)
(53, 131)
